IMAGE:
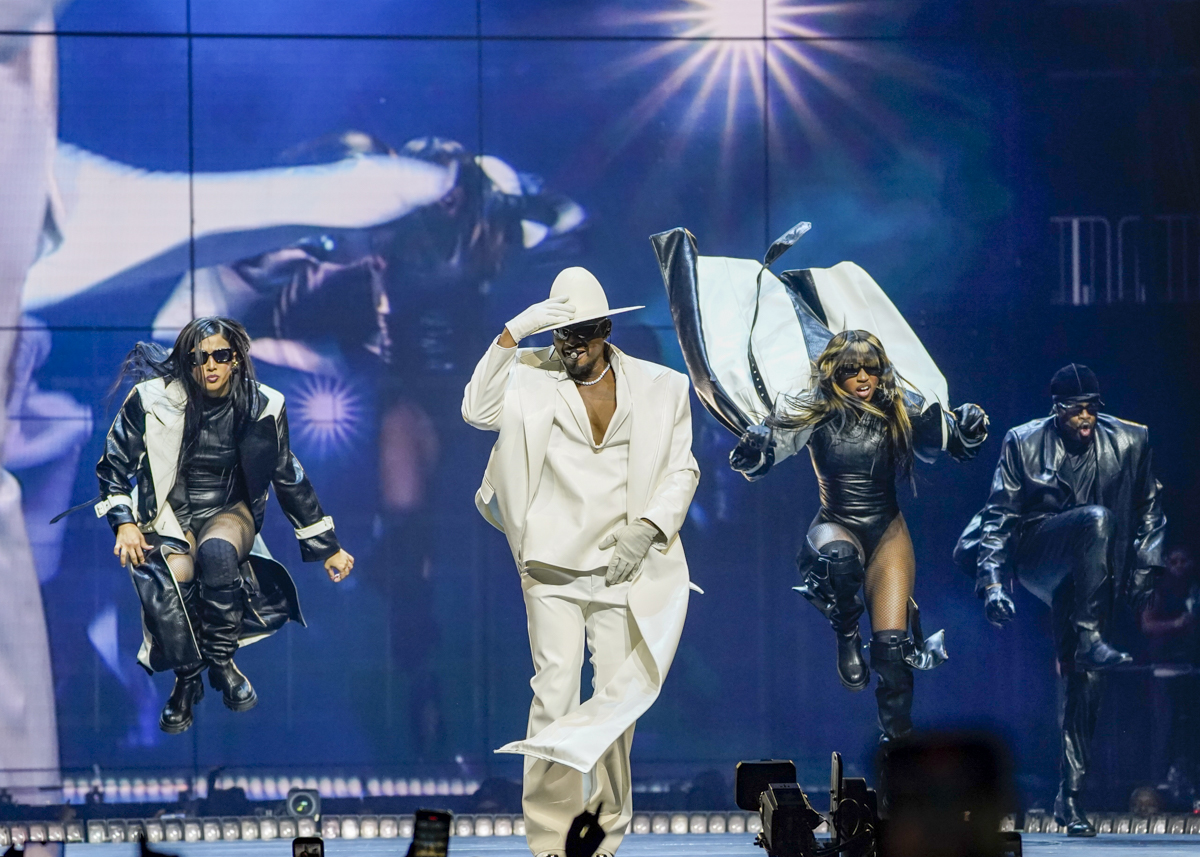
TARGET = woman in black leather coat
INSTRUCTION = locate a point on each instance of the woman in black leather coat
(203, 441)
(862, 429)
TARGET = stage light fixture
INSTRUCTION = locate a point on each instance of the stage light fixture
(483, 825)
(754, 824)
(464, 825)
(698, 823)
(37, 833)
(503, 826)
(304, 803)
(388, 828)
(1140, 826)
(1193, 824)
(331, 828)
(368, 828)
(716, 823)
(679, 823)
(405, 827)
(349, 828)
(76, 831)
(212, 831)
(735, 822)
(248, 828)
(288, 829)
(268, 828)
(1177, 825)
(231, 829)
(660, 824)
(519, 826)
(154, 832)
(5, 836)
(640, 824)
(117, 831)
(193, 831)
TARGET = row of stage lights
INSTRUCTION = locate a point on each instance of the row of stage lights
(1038, 821)
(332, 827)
(169, 789)
(401, 827)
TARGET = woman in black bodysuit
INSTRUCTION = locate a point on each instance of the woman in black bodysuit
(203, 442)
(863, 429)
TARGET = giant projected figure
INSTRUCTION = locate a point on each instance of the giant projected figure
(1075, 513)
(28, 119)
(590, 481)
(748, 339)
(203, 442)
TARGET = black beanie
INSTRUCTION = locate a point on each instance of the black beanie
(1074, 381)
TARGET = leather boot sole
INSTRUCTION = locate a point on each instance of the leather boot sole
(176, 728)
(230, 703)
(244, 705)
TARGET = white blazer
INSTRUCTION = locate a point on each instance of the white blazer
(513, 391)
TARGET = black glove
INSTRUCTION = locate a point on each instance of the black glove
(754, 449)
(998, 607)
(1141, 587)
(972, 422)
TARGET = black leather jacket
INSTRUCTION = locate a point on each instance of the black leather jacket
(263, 452)
(1027, 489)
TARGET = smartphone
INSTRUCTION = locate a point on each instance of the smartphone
(308, 846)
(431, 833)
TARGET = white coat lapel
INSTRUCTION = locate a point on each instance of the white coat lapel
(164, 435)
(537, 393)
(645, 437)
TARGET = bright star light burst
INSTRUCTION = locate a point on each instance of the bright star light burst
(327, 414)
(720, 45)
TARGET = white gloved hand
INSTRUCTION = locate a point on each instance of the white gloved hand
(549, 312)
(632, 544)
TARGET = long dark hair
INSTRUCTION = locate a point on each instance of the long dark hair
(827, 400)
(148, 360)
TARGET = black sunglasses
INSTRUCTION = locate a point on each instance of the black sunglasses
(1074, 409)
(848, 371)
(221, 355)
(587, 331)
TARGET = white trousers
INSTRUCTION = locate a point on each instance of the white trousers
(564, 610)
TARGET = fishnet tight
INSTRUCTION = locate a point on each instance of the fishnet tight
(234, 524)
(891, 571)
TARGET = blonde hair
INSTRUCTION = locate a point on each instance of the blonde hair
(826, 400)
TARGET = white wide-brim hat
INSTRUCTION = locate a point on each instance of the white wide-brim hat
(583, 291)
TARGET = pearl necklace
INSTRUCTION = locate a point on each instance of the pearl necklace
(597, 381)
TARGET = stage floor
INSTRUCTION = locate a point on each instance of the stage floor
(666, 845)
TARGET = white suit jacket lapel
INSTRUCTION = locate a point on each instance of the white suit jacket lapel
(537, 396)
(645, 437)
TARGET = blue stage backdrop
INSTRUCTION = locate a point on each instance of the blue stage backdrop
(374, 187)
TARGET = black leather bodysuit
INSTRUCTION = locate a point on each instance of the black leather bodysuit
(856, 474)
(212, 477)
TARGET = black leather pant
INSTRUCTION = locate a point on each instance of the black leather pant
(1067, 562)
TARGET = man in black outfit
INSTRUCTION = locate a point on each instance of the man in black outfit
(1075, 513)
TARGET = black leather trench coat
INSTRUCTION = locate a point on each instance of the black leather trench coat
(1026, 489)
(267, 462)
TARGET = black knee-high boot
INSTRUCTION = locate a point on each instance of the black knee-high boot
(846, 574)
(894, 692)
(222, 611)
(177, 714)
(831, 579)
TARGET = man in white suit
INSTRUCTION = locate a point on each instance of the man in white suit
(590, 481)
